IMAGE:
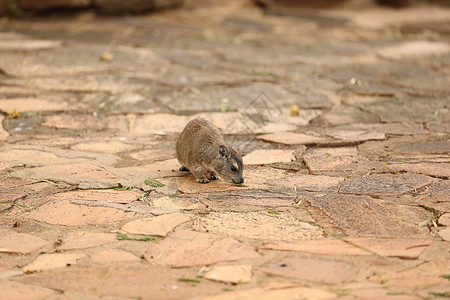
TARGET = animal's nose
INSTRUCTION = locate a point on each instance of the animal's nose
(242, 180)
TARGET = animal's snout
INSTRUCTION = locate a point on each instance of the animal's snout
(240, 181)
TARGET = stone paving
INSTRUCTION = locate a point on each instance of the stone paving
(346, 195)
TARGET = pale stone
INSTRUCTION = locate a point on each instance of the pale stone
(159, 226)
(52, 261)
(314, 183)
(82, 240)
(11, 290)
(264, 157)
(445, 234)
(20, 243)
(413, 49)
(113, 255)
(32, 105)
(3, 133)
(109, 196)
(103, 147)
(232, 273)
(291, 138)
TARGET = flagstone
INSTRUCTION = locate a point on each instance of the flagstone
(158, 124)
(401, 247)
(188, 185)
(80, 122)
(384, 184)
(381, 293)
(12, 182)
(431, 169)
(230, 273)
(330, 163)
(314, 183)
(52, 261)
(265, 293)
(263, 157)
(113, 255)
(158, 226)
(424, 275)
(32, 105)
(82, 240)
(251, 197)
(438, 192)
(20, 243)
(79, 170)
(444, 220)
(356, 135)
(16, 291)
(29, 157)
(107, 195)
(413, 49)
(103, 147)
(177, 203)
(28, 45)
(11, 197)
(438, 147)
(364, 215)
(348, 115)
(65, 213)
(291, 138)
(268, 225)
(325, 271)
(445, 234)
(123, 281)
(186, 248)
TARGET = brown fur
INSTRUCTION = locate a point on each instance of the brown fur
(202, 150)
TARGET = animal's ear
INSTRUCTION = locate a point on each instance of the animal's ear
(223, 150)
(234, 149)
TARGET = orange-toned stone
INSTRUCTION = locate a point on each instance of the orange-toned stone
(52, 261)
(159, 225)
(109, 196)
(291, 138)
(20, 243)
(81, 240)
(65, 213)
(113, 255)
(11, 290)
(78, 170)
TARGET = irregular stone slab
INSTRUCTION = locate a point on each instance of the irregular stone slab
(11, 197)
(380, 293)
(262, 176)
(82, 240)
(28, 45)
(445, 234)
(444, 220)
(103, 147)
(108, 282)
(432, 169)
(233, 273)
(330, 163)
(356, 136)
(65, 213)
(157, 124)
(258, 198)
(20, 243)
(30, 157)
(159, 226)
(313, 183)
(438, 192)
(168, 165)
(384, 184)
(335, 151)
(387, 128)
(440, 147)
(16, 291)
(32, 105)
(271, 293)
(257, 225)
(52, 261)
(109, 196)
(189, 248)
(348, 115)
(80, 122)
(363, 215)
(12, 182)
(291, 138)
(265, 157)
(403, 248)
(83, 170)
(176, 203)
(188, 185)
(418, 277)
(113, 255)
(152, 155)
(3, 133)
(324, 271)
(414, 49)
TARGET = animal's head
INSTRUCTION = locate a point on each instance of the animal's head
(228, 165)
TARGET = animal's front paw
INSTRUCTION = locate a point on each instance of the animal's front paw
(214, 177)
(182, 168)
(203, 180)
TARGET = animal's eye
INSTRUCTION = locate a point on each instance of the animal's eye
(233, 169)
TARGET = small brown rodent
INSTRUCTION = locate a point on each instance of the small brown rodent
(202, 150)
